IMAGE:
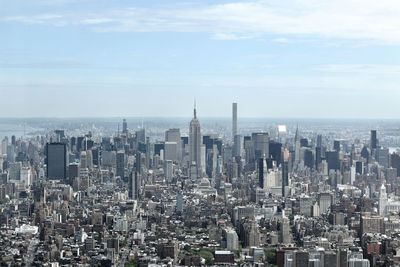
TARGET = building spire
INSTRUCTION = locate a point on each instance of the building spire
(194, 110)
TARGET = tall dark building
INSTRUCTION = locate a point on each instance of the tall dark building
(158, 147)
(309, 159)
(56, 160)
(318, 156)
(332, 157)
(124, 126)
(120, 164)
(262, 165)
(336, 145)
(395, 162)
(285, 176)
(303, 142)
(373, 139)
(73, 172)
(359, 167)
(275, 152)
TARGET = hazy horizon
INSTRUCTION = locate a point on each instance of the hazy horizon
(305, 59)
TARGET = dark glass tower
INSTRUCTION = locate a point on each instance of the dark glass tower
(56, 160)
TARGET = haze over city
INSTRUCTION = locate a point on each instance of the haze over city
(302, 59)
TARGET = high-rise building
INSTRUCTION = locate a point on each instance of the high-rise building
(56, 159)
(234, 120)
(124, 126)
(262, 170)
(297, 148)
(133, 191)
(285, 170)
(275, 152)
(237, 145)
(261, 144)
(319, 140)
(336, 145)
(382, 156)
(120, 164)
(174, 135)
(195, 142)
(373, 139)
(383, 200)
(332, 158)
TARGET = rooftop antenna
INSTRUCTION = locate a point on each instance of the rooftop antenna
(194, 110)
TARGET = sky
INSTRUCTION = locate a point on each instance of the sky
(148, 58)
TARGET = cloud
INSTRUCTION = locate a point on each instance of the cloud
(338, 19)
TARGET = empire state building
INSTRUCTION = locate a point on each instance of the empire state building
(195, 142)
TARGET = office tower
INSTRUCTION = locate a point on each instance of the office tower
(148, 153)
(303, 142)
(232, 240)
(382, 156)
(300, 258)
(174, 135)
(141, 136)
(285, 170)
(15, 171)
(275, 152)
(383, 200)
(158, 147)
(318, 156)
(79, 143)
(73, 172)
(324, 202)
(106, 144)
(332, 158)
(234, 120)
(195, 141)
(124, 126)
(89, 159)
(83, 160)
(133, 191)
(352, 174)
(26, 176)
(284, 231)
(359, 167)
(171, 151)
(365, 153)
(319, 140)
(354, 262)
(262, 170)
(11, 153)
(373, 139)
(336, 145)
(120, 164)
(309, 159)
(56, 159)
(261, 144)
(168, 170)
(297, 148)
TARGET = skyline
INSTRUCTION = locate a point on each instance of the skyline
(298, 59)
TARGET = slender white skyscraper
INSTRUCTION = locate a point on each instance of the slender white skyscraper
(195, 141)
(234, 120)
